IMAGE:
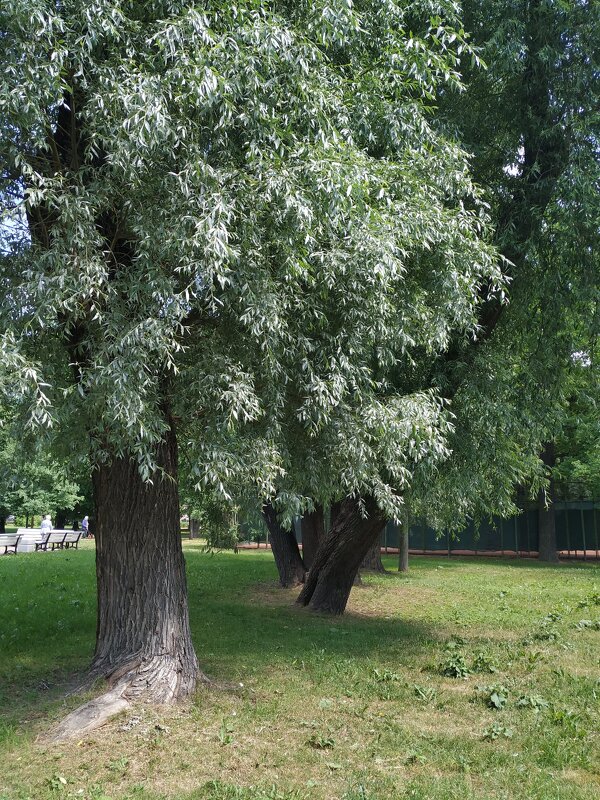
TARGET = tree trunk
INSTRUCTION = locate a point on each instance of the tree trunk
(194, 527)
(403, 534)
(339, 556)
(143, 627)
(313, 530)
(288, 560)
(2, 524)
(372, 561)
(143, 640)
(547, 550)
(334, 511)
(60, 520)
(403, 550)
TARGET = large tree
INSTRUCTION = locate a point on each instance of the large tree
(233, 217)
(530, 121)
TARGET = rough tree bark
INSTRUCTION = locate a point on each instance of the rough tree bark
(288, 560)
(547, 550)
(313, 531)
(372, 561)
(334, 511)
(339, 556)
(143, 641)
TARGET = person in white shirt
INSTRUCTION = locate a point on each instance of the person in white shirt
(46, 525)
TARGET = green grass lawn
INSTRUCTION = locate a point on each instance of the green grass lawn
(464, 679)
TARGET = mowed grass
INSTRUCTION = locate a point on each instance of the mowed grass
(396, 699)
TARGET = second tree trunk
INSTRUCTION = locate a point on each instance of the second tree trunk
(340, 555)
(286, 552)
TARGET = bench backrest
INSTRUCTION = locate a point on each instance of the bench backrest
(9, 539)
(72, 536)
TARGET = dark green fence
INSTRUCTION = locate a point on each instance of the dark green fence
(577, 534)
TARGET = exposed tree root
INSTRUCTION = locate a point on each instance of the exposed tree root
(153, 682)
(90, 715)
(157, 681)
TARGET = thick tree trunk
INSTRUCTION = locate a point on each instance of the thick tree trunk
(288, 560)
(143, 625)
(143, 640)
(339, 556)
(547, 550)
(334, 511)
(313, 530)
(194, 527)
(2, 524)
(372, 561)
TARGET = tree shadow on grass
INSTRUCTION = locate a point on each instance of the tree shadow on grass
(254, 624)
(47, 623)
(49, 628)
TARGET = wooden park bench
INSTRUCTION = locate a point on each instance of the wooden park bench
(29, 539)
(10, 542)
(33, 539)
(72, 539)
(53, 539)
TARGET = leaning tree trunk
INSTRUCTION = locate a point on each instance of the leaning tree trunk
(334, 511)
(143, 640)
(372, 561)
(339, 556)
(547, 550)
(313, 531)
(288, 560)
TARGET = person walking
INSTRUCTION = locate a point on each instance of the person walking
(46, 525)
(85, 526)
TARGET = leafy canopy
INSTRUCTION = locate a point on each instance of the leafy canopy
(239, 217)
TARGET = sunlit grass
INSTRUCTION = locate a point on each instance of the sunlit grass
(357, 707)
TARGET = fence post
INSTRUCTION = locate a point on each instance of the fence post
(583, 534)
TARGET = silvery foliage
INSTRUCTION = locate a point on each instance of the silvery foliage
(296, 230)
